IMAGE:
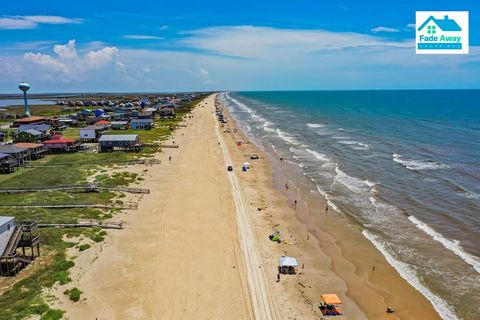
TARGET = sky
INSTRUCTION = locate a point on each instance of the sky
(159, 46)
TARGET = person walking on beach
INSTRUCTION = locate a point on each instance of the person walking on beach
(295, 204)
(170, 158)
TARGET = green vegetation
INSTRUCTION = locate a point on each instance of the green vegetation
(24, 298)
(83, 247)
(73, 294)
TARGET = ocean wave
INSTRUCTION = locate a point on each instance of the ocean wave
(419, 164)
(318, 155)
(452, 245)
(266, 126)
(315, 125)
(354, 184)
(410, 275)
(328, 199)
(250, 111)
(285, 136)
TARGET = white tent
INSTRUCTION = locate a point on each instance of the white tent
(247, 164)
(288, 262)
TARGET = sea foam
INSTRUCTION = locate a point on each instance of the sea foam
(452, 245)
(410, 275)
(419, 164)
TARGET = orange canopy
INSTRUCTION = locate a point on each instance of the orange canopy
(331, 298)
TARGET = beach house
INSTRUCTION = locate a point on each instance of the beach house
(60, 144)
(119, 125)
(126, 142)
(167, 113)
(141, 124)
(91, 133)
(34, 150)
(17, 154)
(29, 120)
(30, 135)
(7, 225)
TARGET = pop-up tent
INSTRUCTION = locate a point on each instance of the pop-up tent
(287, 265)
(329, 307)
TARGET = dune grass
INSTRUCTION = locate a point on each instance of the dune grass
(24, 298)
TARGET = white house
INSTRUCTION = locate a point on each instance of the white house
(7, 225)
(91, 133)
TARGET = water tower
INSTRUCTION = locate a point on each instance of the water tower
(24, 86)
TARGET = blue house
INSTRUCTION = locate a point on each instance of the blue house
(144, 124)
(444, 24)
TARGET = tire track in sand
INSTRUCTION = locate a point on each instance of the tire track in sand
(263, 302)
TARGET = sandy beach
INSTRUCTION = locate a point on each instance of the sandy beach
(198, 247)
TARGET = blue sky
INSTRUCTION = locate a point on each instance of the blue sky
(62, 46)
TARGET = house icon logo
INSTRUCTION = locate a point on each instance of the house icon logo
(442, 32)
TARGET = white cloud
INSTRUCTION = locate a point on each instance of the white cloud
(265, 42)
(66, 51)
(99, 58)
(384, 29)
(31, 22)
(164, 27)
(47, 61)
(411, 25)
(141, 37)
(69, 64)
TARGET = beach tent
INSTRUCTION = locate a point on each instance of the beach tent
(331, 298)
(247, 164)
(288, 262)
(330, 308)
(287, 265)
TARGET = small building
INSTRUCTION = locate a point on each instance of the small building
(104, 123)
(19, 155)
(7, 225)
(35, 150)
(29, 120)
(141, 124)
(60, 144)
(167, 113)
(126, 142)
(91, 133)
(30, 135)
(119, 125)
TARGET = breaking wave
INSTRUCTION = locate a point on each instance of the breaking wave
(419, 164)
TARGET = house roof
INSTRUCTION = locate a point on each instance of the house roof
(118, 137)
(5, 219)
(96, 128)
(102, 122)
(40, 127)
(3, 156)
(59, 141)
(30, 119)
(33, 132)
(141, 120)
(27, 145)
(119, 123)
(445, 24)
(9, 149)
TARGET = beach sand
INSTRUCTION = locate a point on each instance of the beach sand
(191, 249)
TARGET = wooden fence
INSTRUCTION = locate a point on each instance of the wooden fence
(82, 188)
(85, 224)
(128, 206)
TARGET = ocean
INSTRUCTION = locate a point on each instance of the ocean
(403, 164)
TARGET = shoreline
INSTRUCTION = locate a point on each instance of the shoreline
(371, 291)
